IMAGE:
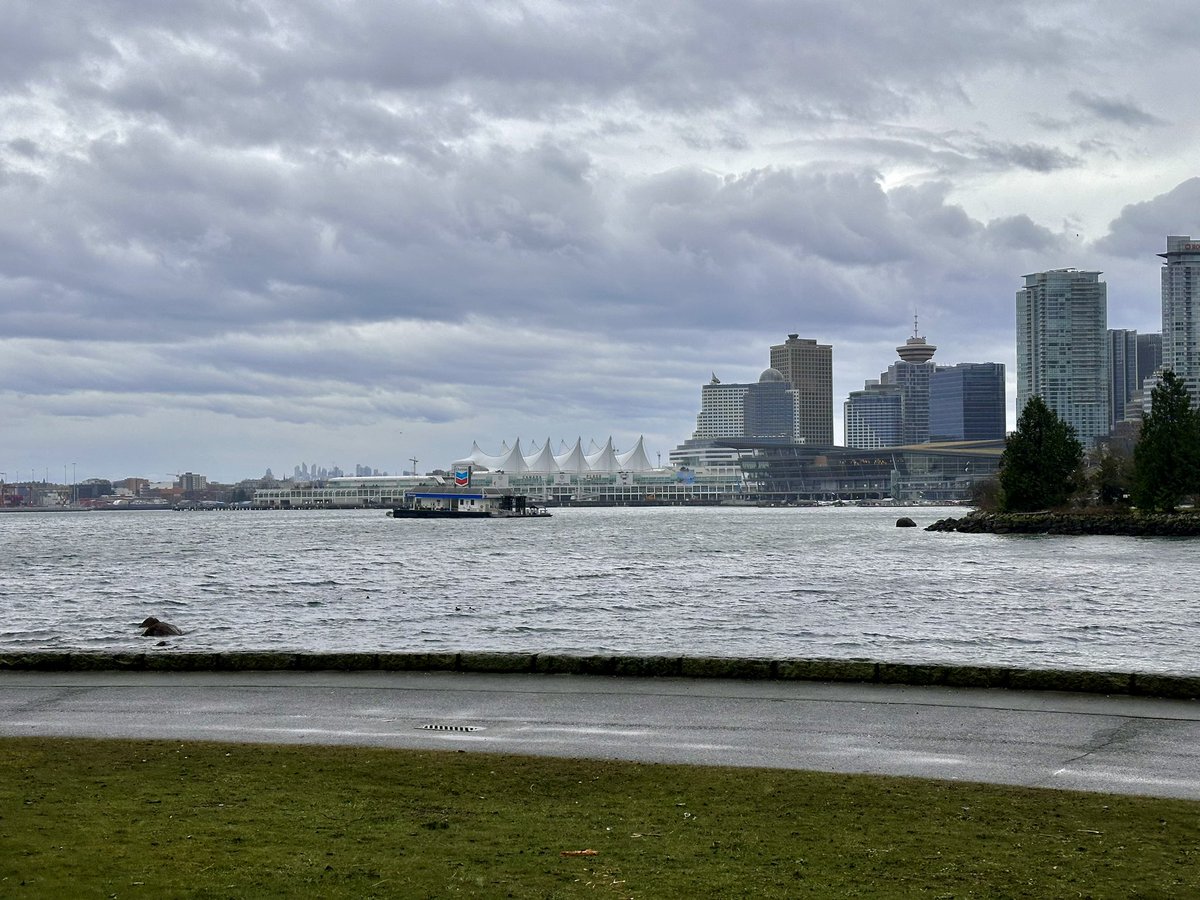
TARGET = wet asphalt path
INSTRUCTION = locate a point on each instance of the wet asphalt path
(1111, 744)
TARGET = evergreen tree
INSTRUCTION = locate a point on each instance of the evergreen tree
(1042, 461)
(1113, 479)
(1166, 460)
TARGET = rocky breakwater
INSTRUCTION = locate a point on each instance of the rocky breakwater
(1131, 524)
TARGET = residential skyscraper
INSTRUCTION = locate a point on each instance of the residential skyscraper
(808, 368)
(966, 402)
(1062, 348)
(1149, 356)
(1123, 370)
(1181, 311)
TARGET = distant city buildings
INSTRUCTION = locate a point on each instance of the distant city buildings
(791, 403)
(763, 410)
(189, 481)
(1096, 379)
(306, 473)
(1062, 348)
(1135, 361)
(917, 401)
(302, 472)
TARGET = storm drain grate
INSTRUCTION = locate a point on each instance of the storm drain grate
(437, 727)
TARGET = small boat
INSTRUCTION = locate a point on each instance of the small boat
(489, 504)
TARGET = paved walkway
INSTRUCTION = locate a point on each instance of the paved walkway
(1113, 744)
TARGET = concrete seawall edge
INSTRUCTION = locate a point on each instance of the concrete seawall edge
(1181, 687)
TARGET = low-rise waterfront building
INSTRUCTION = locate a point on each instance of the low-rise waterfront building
(922, 473)
(659, 487)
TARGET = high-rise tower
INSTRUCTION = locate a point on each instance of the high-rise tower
(1149, 356)
(911, 374)
(722, 410)
(966, 402)
(874, 416)
(808, 368)
(1181, 311)
(1062, 348)
(1122, 369)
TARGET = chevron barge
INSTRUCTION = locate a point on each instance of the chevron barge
(485, 504)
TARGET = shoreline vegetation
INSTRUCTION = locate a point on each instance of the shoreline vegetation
(199, 819)
(1129, 523)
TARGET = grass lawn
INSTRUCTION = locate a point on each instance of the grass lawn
(165, 819)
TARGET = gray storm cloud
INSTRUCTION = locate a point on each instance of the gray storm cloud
(436, 218)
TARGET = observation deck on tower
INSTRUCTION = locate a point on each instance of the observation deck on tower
(916, 349)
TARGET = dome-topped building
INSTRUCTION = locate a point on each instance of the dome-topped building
(771, 375)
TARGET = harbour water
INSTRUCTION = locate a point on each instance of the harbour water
(742, 582)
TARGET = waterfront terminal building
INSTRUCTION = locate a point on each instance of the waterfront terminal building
(920, 474)
(765, 472)
(600, 476)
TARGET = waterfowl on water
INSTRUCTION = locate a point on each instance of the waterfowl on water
(156, 628)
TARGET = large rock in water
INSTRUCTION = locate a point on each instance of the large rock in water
(905, 522)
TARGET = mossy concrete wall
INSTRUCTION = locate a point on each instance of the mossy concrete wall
(839, 670)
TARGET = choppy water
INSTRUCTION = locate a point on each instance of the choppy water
(836, 582)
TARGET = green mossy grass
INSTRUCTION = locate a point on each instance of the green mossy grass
(169, 819)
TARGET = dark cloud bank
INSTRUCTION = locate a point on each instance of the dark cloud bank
(320, 226)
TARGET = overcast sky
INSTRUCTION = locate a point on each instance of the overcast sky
(237, 234)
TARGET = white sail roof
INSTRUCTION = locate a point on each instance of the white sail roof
(478, 458)
(514, 463)
(635, 460)
(574, 461)
(605, 460)
(543, 463)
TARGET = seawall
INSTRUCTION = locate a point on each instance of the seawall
(1181, 687)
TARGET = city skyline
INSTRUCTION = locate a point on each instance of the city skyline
(776, 353)
(264, 232)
